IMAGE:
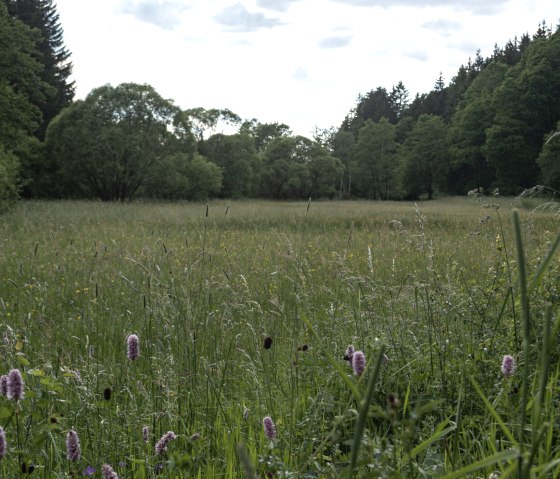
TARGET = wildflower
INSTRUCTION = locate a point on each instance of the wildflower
(358, 363)
(349, 353)
(145, 433)
(15, 385)
(246, 412)
(269, 427)
(108, 472)
(3, 385)
(2, 443)
(73, 451)
(132, 347)
(161, 445)
(195, 437)
(89, 471)
(267, 342)
(508, 365)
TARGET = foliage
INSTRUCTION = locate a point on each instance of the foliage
(376, 158)
(9, 179)
(107, 145)
(425, 154)
(549, 160)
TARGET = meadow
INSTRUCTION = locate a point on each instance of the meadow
(245, 310)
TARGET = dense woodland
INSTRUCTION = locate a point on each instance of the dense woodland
(491, 127)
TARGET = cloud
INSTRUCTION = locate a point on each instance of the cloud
(164, 13)
(419, 55)
(277, 5)
(443, 27)
(239, 19)
(335, 42)
(300, 74)
(480, 7)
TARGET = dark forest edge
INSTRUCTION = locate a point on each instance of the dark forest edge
(493, 127)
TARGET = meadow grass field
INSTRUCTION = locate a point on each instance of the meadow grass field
(129, 321)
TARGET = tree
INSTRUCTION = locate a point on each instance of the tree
(398, 99)
(263, 133)
(343, 146)
(237, 157)
(107, 145)
(425, 154)
(469, 167)
(285, 173)
(527, 108)
(20, 89)
(50, 53)
(376, 153)
(549, 160)
(180, 176)
(9, 178)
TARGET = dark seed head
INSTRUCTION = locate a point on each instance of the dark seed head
(53, 420)
(107, 394)
(305, 347)
(267, 342)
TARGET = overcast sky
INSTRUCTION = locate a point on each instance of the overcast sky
(299, 62)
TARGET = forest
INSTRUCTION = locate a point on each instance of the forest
(491, 128)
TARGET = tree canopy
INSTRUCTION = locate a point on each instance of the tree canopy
(494, 124)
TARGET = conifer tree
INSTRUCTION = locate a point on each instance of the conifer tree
(51, 53)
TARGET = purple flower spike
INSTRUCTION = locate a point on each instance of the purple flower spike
(145, 433)
(132, 347)
(108, 472)
(508, 365)
(358, 363)
(2, 443)
(269, 427)
(73, 451)
(349, 353)
(15, 385)
(161, 445)
(3, 385)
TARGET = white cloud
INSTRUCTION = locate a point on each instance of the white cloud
(238, 18)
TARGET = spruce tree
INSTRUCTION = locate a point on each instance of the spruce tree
(51, 53)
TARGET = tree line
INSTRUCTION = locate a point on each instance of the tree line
(492, 126)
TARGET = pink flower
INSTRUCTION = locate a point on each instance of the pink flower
(161, 445)
(15, 385)
(349, 353)
(269, 427)
(2, 443)
(132, 347)
(73, 451)
(358, 363)
(508, 365)
(108, 472)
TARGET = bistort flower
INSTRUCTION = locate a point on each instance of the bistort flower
(269, 427)
(132, 347)
(73, 451)
(358, 363)
(161, 445)
(508, 365)
(15, 385)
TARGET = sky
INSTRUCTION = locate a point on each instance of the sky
(298, 62)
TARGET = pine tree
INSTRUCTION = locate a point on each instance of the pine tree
(52, 54)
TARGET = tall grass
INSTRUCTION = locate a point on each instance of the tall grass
(436, 287)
